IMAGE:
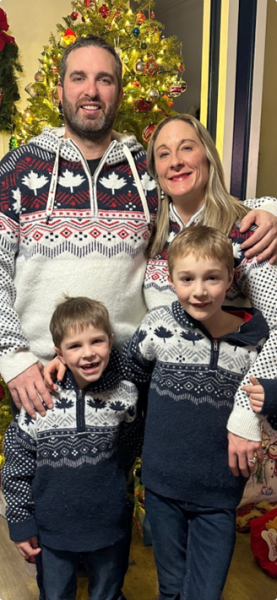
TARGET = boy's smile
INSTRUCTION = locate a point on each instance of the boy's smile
(86, 353)
(201, 285)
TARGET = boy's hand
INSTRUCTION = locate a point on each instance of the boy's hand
(241, 454)
(29, 547)
(54, 370)
(255, 393)
(263, 242)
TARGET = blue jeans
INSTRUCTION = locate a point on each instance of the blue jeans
(192, 545)
(105, 569)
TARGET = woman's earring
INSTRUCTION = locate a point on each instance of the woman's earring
(162, 195)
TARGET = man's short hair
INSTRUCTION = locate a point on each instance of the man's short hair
(78, 313)
(91, 40)
(203, 242)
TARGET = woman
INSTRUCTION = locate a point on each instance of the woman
(183, 160)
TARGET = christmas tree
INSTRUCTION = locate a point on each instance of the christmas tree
(9, 67)
(152, 67)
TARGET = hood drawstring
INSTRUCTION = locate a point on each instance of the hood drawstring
(53, 183)
(132, 164)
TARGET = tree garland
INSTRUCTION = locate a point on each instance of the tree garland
(9, 67)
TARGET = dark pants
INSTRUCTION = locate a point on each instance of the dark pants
(105, 568)
(193, 547)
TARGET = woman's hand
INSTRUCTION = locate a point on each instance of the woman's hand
(241, 454)
(263, 242)
(54, 370)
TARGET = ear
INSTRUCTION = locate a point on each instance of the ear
(230, 280)
(111, 341)
(59, 354)
(171, 283)
(60, 92)
(120, 96)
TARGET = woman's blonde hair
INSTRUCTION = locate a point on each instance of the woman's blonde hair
(220, 210)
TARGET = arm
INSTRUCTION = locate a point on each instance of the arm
(258, 282)
(17, 476)
(18, 364)
(53, 371)
(264, 241)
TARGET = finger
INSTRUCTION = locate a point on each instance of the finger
(16, 398)
(248, 220)
(264, 249)
(253, 380)
(44, 394)
(61, 372)
(233, 464)
(268, 253)
(25, 401)
(272, 260)
(260, 454)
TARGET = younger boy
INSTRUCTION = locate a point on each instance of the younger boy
(64, 489)
(195, 353)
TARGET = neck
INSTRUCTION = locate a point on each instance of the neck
(187, 211)
(90, 149)
(222, 323)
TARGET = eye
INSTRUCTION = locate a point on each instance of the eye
(106, 80)
(73, 346)
(186, 279)
(78, 78)
(186, 147)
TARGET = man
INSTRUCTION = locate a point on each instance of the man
(73, 208)
(73, 211)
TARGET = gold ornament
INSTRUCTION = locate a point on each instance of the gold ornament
(39, 76)
(27, 116)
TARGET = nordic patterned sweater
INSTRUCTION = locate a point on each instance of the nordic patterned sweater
(61, 478)
(63, 231)
(193, 383)
(254, 284)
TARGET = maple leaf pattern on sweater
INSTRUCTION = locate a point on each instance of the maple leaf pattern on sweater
(34, 181)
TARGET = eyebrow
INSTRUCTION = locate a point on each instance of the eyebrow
(181, 142)
(83, 73)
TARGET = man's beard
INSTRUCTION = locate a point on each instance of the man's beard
(90, 129)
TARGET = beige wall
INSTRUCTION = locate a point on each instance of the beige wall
(31, 23)
(267, 168)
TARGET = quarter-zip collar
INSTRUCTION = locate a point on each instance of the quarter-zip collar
(249, 333)
(120, 149)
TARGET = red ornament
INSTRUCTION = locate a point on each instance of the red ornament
(88, 3)
(151, 67)
(104, 11)
(147, 132)
(136, 83)
(1, 96)
(152, 15)
(2, 392)
(143, 105)
(181, 67)
(141, 18)
(176, 89)
(74, 15)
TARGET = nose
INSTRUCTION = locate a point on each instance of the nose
(91, 88)
(177, 160)
(88, 351)
(199, 290)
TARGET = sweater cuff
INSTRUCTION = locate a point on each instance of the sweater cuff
(23, 530)
(270, 207)
(245, 423)
(15, 362)
(270, 403)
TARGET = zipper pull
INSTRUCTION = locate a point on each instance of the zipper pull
(215, 342)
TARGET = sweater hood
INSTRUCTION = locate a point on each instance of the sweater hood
(250, 333)
(121, 149)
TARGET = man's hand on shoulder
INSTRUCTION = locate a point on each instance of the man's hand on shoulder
(28, 390)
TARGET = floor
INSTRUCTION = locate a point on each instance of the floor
(245, 581)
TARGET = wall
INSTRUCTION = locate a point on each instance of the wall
(184, 18)
(267, 167)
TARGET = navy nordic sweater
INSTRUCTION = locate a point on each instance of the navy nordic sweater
(61, 478)
(193, 382)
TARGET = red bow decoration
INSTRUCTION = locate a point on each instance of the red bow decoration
(4, 37)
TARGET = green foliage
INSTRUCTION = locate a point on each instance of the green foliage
(9, 67)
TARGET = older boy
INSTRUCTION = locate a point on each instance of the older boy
(196, 353)
(64, 489)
